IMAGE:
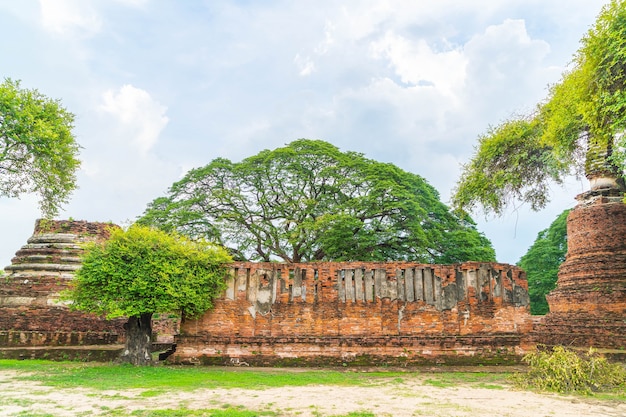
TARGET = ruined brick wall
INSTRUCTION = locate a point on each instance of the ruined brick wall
(31, 314)
(334, 313)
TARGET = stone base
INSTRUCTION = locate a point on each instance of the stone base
(475, 350)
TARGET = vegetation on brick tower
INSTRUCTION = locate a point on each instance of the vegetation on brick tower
(38, 152)
(308, 201)
(542, 262)
(579, 128)
(142, 271)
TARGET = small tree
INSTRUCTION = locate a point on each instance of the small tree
(38, 152)
(142, 271)
(542, 262)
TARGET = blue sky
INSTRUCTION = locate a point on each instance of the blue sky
(162, 86)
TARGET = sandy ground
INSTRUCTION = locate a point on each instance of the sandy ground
(408, 397)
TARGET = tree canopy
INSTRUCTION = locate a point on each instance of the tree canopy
(542, 262)
(308, 201)
(38, 152)
(142, 271)
(578, 128)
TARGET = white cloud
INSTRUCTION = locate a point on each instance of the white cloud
(69, 17)
(139, 112)
(329, 40)
(415, 62)
(505, 66)
(133, 3)
(305, 65)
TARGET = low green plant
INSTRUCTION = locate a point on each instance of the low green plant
(568, 371)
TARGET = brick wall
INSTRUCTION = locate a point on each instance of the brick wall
(364, 313)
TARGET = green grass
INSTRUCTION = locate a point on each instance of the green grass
(162, 380)
(158, 378)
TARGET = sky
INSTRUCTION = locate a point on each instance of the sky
(161, 86)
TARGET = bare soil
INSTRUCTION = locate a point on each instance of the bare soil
(408, 396)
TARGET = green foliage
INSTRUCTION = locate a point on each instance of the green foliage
(308, 201)
(38, 152)
(584, 114)
(566, 371)
(510, 163)
(143, 270)
(602, 58)
(542, 262)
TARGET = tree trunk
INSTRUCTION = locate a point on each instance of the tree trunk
(138, 347)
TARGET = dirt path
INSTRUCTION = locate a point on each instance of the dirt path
(406, 398)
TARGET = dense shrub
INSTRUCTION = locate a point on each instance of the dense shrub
(566, 371)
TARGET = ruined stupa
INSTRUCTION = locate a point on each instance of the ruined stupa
(32, 314)
(588, 306)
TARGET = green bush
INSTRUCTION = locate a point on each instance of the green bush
(567, 371)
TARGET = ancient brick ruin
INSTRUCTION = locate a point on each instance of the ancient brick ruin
(588, 307)
(362, 313)
(357, 313)
(32, 315)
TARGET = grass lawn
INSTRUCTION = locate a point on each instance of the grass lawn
(124, 390)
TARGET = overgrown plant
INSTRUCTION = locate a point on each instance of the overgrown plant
(142, 271)
(567, 371)
(577, 129)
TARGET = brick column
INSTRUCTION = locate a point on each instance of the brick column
(588, 306)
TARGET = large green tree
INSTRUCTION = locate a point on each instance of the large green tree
(38, 152)
(542, 262)
(577, 129)
(142, 271)
(308, 201)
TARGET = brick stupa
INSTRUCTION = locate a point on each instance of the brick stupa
(588, 306)
(32, 314)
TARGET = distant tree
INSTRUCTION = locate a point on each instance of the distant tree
(142, 271)
(579, 128)
(542, 262)
(308, 201)
(38, 152)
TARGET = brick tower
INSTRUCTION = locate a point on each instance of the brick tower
(588, 306)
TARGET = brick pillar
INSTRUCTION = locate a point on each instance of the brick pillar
(588, 306)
